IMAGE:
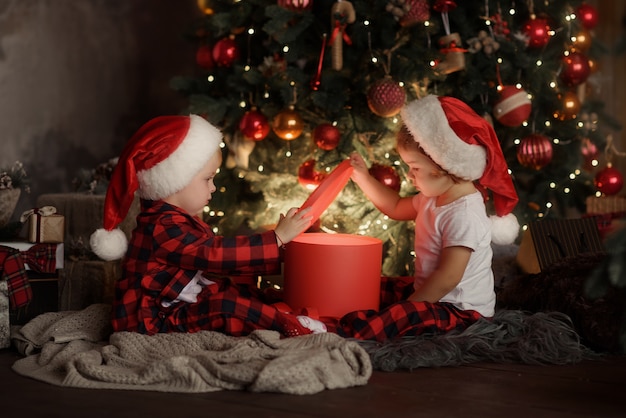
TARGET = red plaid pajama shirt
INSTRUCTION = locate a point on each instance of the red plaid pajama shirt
(167, 249)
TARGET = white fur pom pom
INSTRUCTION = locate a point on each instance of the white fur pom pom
(109, 245)
(504, 229)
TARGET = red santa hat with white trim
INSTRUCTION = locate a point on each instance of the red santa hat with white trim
(159, 160)
(465, 145)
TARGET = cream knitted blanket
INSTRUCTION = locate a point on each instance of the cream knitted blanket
(77, 349)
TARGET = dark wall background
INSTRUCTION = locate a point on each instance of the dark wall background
(78, 77)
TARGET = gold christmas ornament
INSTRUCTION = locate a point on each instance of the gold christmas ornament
(582, 41)
(287, 124)
(205, 7)
(570, 106)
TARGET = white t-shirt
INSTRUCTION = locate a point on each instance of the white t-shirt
(463, 222)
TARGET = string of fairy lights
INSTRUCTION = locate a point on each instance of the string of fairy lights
(381, 223)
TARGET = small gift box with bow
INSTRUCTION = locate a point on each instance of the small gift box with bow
(44, 225)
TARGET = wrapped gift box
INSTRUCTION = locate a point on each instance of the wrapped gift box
(609, 212)
(46, 229)
(606, 204)
(332, 274)
(84, 214)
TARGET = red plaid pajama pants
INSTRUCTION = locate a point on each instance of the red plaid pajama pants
(238, 310)
(399, 317)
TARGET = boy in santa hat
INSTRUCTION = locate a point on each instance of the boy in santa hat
(455, 161)
(174, 267)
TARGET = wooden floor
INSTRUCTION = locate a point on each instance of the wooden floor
(588, 389)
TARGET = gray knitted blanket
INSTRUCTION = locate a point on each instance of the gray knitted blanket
(77, 349)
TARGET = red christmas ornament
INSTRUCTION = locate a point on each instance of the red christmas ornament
(386, 175)
(587, 15)
(308, 176)
(576, 68)
(538, 32)
(254, 125)
(225, 52)
(444, 6)
(570, 106)
(609, 180)
(296, 5)
(513, 107)
(385, 97)
(326, 136)
(419, 11)
(204, 57)
(535, 151)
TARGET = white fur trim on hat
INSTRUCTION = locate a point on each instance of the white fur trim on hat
(109, 245)
(429, 126)
(174, 173)
(504, 229)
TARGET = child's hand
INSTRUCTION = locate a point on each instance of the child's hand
(292, 224)
(360, 171)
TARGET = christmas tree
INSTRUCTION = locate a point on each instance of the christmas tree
(298, 85)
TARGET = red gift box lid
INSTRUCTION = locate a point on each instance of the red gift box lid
(328, 190)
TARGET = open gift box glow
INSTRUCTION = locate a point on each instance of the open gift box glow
(332, 274)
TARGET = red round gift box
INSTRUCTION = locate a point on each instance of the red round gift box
(332, 274)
